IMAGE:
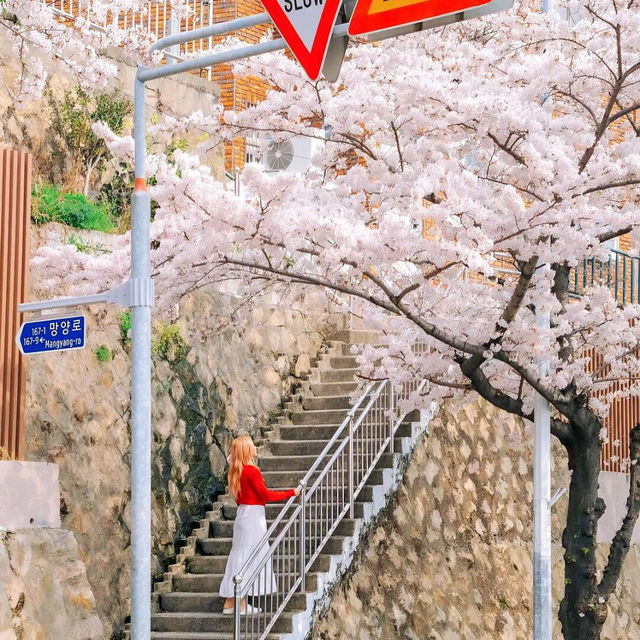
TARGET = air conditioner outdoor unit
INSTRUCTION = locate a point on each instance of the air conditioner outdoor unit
(292, 155)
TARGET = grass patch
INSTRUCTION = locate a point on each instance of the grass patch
(49, 204)
(103, 353)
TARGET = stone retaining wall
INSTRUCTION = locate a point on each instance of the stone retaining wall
(44, 592)
(450, 559)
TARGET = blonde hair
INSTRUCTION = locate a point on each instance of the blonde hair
(243, 452)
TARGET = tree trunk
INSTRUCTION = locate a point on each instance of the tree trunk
(581, 615)
(87, 178)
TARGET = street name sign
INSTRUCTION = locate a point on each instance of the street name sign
(377, 15)
(306, 27)
(51, 334)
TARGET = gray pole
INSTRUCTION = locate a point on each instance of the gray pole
(542, 623)
(140, 388)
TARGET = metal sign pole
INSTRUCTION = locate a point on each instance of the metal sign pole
(140, 388)
(542, 624)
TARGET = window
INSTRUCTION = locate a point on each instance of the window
(252, 151)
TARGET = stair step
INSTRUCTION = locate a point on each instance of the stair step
(338, 375)
(332, 388)
(207, 622)
(320, 403)
(210, 582)
(222, 546)
(344, 362)
(210, 602)
(358, 336)
(224, 529)
(325, 432)
(272, 510)
(324, 416)
(302, 462)
(288, 479)
(213, 565)
(292, 448)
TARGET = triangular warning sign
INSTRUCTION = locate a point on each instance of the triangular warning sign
(306, 26)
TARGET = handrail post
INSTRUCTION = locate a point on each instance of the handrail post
(303, 535)
(391, 407)
(351, 487)
(237, 599)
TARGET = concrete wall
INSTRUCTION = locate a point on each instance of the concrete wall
(30, 495)
(614, 489)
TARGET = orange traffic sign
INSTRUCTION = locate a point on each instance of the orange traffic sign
(377, 15)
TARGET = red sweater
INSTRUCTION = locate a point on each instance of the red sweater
(254, 491)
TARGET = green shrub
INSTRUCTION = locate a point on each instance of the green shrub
(72, 120)
(73, 209)
(124, 320)
(103, 353)
(169, 344)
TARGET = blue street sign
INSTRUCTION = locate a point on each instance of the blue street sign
(52, 334)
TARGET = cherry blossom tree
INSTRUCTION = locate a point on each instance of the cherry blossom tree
(511, 143)
(42, 40)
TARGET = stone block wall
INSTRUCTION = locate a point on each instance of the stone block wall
(450, 559)
(44, 591)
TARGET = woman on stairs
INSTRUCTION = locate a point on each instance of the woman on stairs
(247, 487)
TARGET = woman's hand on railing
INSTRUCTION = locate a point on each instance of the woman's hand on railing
(296, 491)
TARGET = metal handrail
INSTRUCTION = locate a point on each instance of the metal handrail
(361, 440)
(302, 484)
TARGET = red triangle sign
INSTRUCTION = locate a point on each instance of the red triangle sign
(306, 26)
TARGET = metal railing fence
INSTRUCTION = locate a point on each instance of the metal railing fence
(280, 563)
(156, 17)
(620, 274)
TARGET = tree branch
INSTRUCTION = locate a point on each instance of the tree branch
(623, 112)
(612, 185)
(509, 150)
(610, 235)
(622, 539)
(496, 397)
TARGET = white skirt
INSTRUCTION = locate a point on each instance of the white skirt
(248, 529)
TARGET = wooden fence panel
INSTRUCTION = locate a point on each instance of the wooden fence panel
(15, 206)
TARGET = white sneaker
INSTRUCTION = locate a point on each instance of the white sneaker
(243, 612)
(251, 609)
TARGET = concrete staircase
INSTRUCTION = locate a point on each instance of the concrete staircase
(187, 603)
